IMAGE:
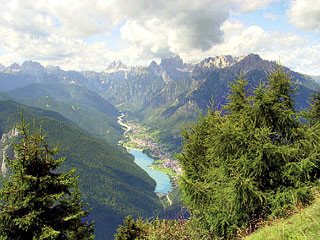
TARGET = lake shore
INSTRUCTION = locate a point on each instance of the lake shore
(137, 137)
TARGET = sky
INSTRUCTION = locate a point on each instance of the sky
(89, 34)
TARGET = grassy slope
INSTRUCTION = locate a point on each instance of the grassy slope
(303, 225)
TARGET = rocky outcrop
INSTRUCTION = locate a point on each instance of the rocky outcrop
(2, 67)
(217, 62)
(5, 149)
(116, 66)
(13, 68)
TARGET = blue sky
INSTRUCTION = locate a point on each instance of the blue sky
(89, 34)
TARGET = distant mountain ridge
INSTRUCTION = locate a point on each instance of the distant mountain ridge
(159, 94)
(316, 78)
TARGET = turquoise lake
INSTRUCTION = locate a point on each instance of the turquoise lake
(162, 179)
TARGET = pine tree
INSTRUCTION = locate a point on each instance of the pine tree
(38, 201)
(255, 160)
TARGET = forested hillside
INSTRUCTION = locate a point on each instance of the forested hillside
(78, 104)
(109, 180)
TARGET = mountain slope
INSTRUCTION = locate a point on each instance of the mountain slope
(94, 122)
(212, 83)
(68, 93)
(80, 105)
(109, 179)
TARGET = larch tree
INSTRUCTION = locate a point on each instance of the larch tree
(252, 160)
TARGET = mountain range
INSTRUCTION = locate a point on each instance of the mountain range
(80, 110)
(161, 96)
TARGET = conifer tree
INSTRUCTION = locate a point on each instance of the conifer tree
(313, 112)
(38, 201)
(255, 160)
(131, 230)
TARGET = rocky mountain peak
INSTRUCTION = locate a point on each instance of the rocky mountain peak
(32, 68)
(218, 62)
(53, 69)
(254, 61)
(15, 67)
(115, 66)
(174, 68)
(2, 67)
(252, 58)
(155, 68)
(153, 65)
(172, 62)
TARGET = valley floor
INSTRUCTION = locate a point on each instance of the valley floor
(138, 137)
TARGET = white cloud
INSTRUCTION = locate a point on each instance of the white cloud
(45, 29)
(64, 32)
(176, 26)
(251, 5)
(292, 50)
(305, 14)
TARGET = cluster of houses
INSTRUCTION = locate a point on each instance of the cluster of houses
(137, 135)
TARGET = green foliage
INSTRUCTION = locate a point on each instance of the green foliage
(97, 123)
(156, 230)
(313, 113)
(109, 180)
(78, 104)
(250, 161)
(38, 201)
(303, 225)
(176, 210)
(131, 229)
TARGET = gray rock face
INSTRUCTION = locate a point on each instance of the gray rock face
(155, 68)
(13, 68)
(2, 67)
(53, 69)
(5, 143)
(219, 61)
(171, 63)
(316, 78)
(33, 68)
(116, 65)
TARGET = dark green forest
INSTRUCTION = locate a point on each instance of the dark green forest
(109, 180)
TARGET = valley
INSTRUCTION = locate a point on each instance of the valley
(140, 138)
